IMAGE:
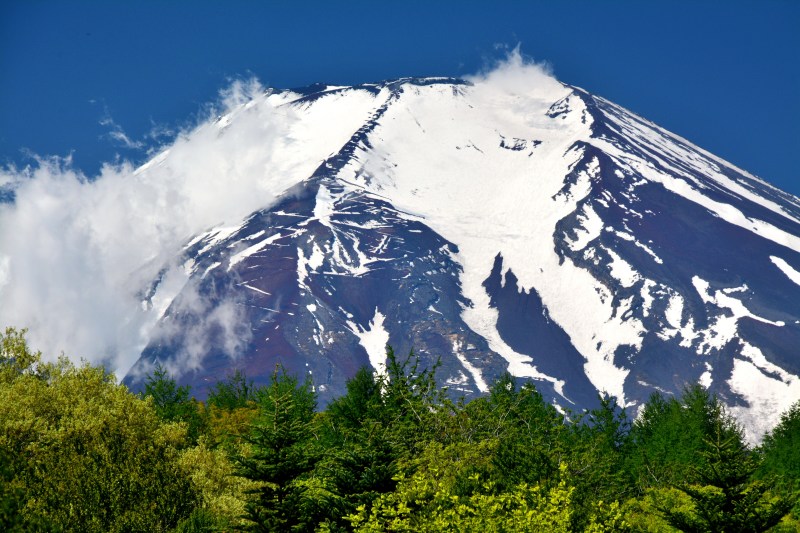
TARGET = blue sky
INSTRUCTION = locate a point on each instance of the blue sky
(102, 80)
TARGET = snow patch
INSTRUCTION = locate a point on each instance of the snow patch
(211, 267)
(590, 229)
(786, 268)
(767, 395)
(621, 270)
(474, 372)
(256, 289)
(420, 170)
(247, 252)
(373, 339)
(171, 284)
(213, 237)
(724, 328)
(324, 206)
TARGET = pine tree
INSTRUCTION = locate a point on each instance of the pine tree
(173, 403)
(233, 393)
(727, 498)
(282, 453)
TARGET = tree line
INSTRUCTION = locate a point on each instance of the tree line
(78, 452)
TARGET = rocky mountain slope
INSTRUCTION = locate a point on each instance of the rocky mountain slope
(497, 226)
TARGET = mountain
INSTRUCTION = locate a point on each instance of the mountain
(495, 226)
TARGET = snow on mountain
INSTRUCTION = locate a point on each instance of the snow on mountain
(508, 222)
(506, 225)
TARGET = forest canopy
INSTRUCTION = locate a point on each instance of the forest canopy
(79, 452)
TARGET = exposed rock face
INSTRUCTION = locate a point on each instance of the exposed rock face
(538, 230)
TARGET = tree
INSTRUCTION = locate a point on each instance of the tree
(172, 403)
(16, 358)
(531, 432)
(382, 420)
(233, 393)
(360, 458)
(442, 490)
(668, 436)
(410, 399)
(692, 454)
(230, 410)
(88, 455)
(222, 494)
(596, 455)
(781, 449)
(13, 497)
(726, 498)
(281, 453)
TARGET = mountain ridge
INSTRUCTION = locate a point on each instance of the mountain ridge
(526, 216)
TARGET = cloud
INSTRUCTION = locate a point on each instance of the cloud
(199, 322)
(516, 73)
(76, 252)
(158, 132)
(117, 134)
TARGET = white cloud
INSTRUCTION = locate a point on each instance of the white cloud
(117, 134)
(75, 252)
(517, 74)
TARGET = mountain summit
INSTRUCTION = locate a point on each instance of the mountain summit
(497, 224)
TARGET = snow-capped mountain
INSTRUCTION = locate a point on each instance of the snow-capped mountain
(496, 225)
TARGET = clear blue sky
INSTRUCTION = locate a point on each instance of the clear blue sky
(725, 75)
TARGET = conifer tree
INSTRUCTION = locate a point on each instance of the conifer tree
(726, 497)
(281, 453)
(172, 402)
(233, 393)
(781, 449)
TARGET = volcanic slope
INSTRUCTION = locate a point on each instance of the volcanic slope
(500, 225)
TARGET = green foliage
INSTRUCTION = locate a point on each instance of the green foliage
(281, 452)
(362, 401)
(16, 358)
(381, 421)
(668, 436)
(437, 497)
(201, 521)
(692, 445)
(408, 393)
(222, 494)
(780, 451)
(172, 403)
(88, 455)
(596, 457)
(726, 498)
(782, 445)
(233, 393)
(230, 410)
(360, 455)
(643, 513)
(226, 428)
(531, 431)
(80, 453)
(13, 497)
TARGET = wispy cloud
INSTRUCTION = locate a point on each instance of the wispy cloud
(76, 251)
(117, 134)
(514, 72)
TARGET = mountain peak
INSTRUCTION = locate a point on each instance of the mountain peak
(507, 222)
